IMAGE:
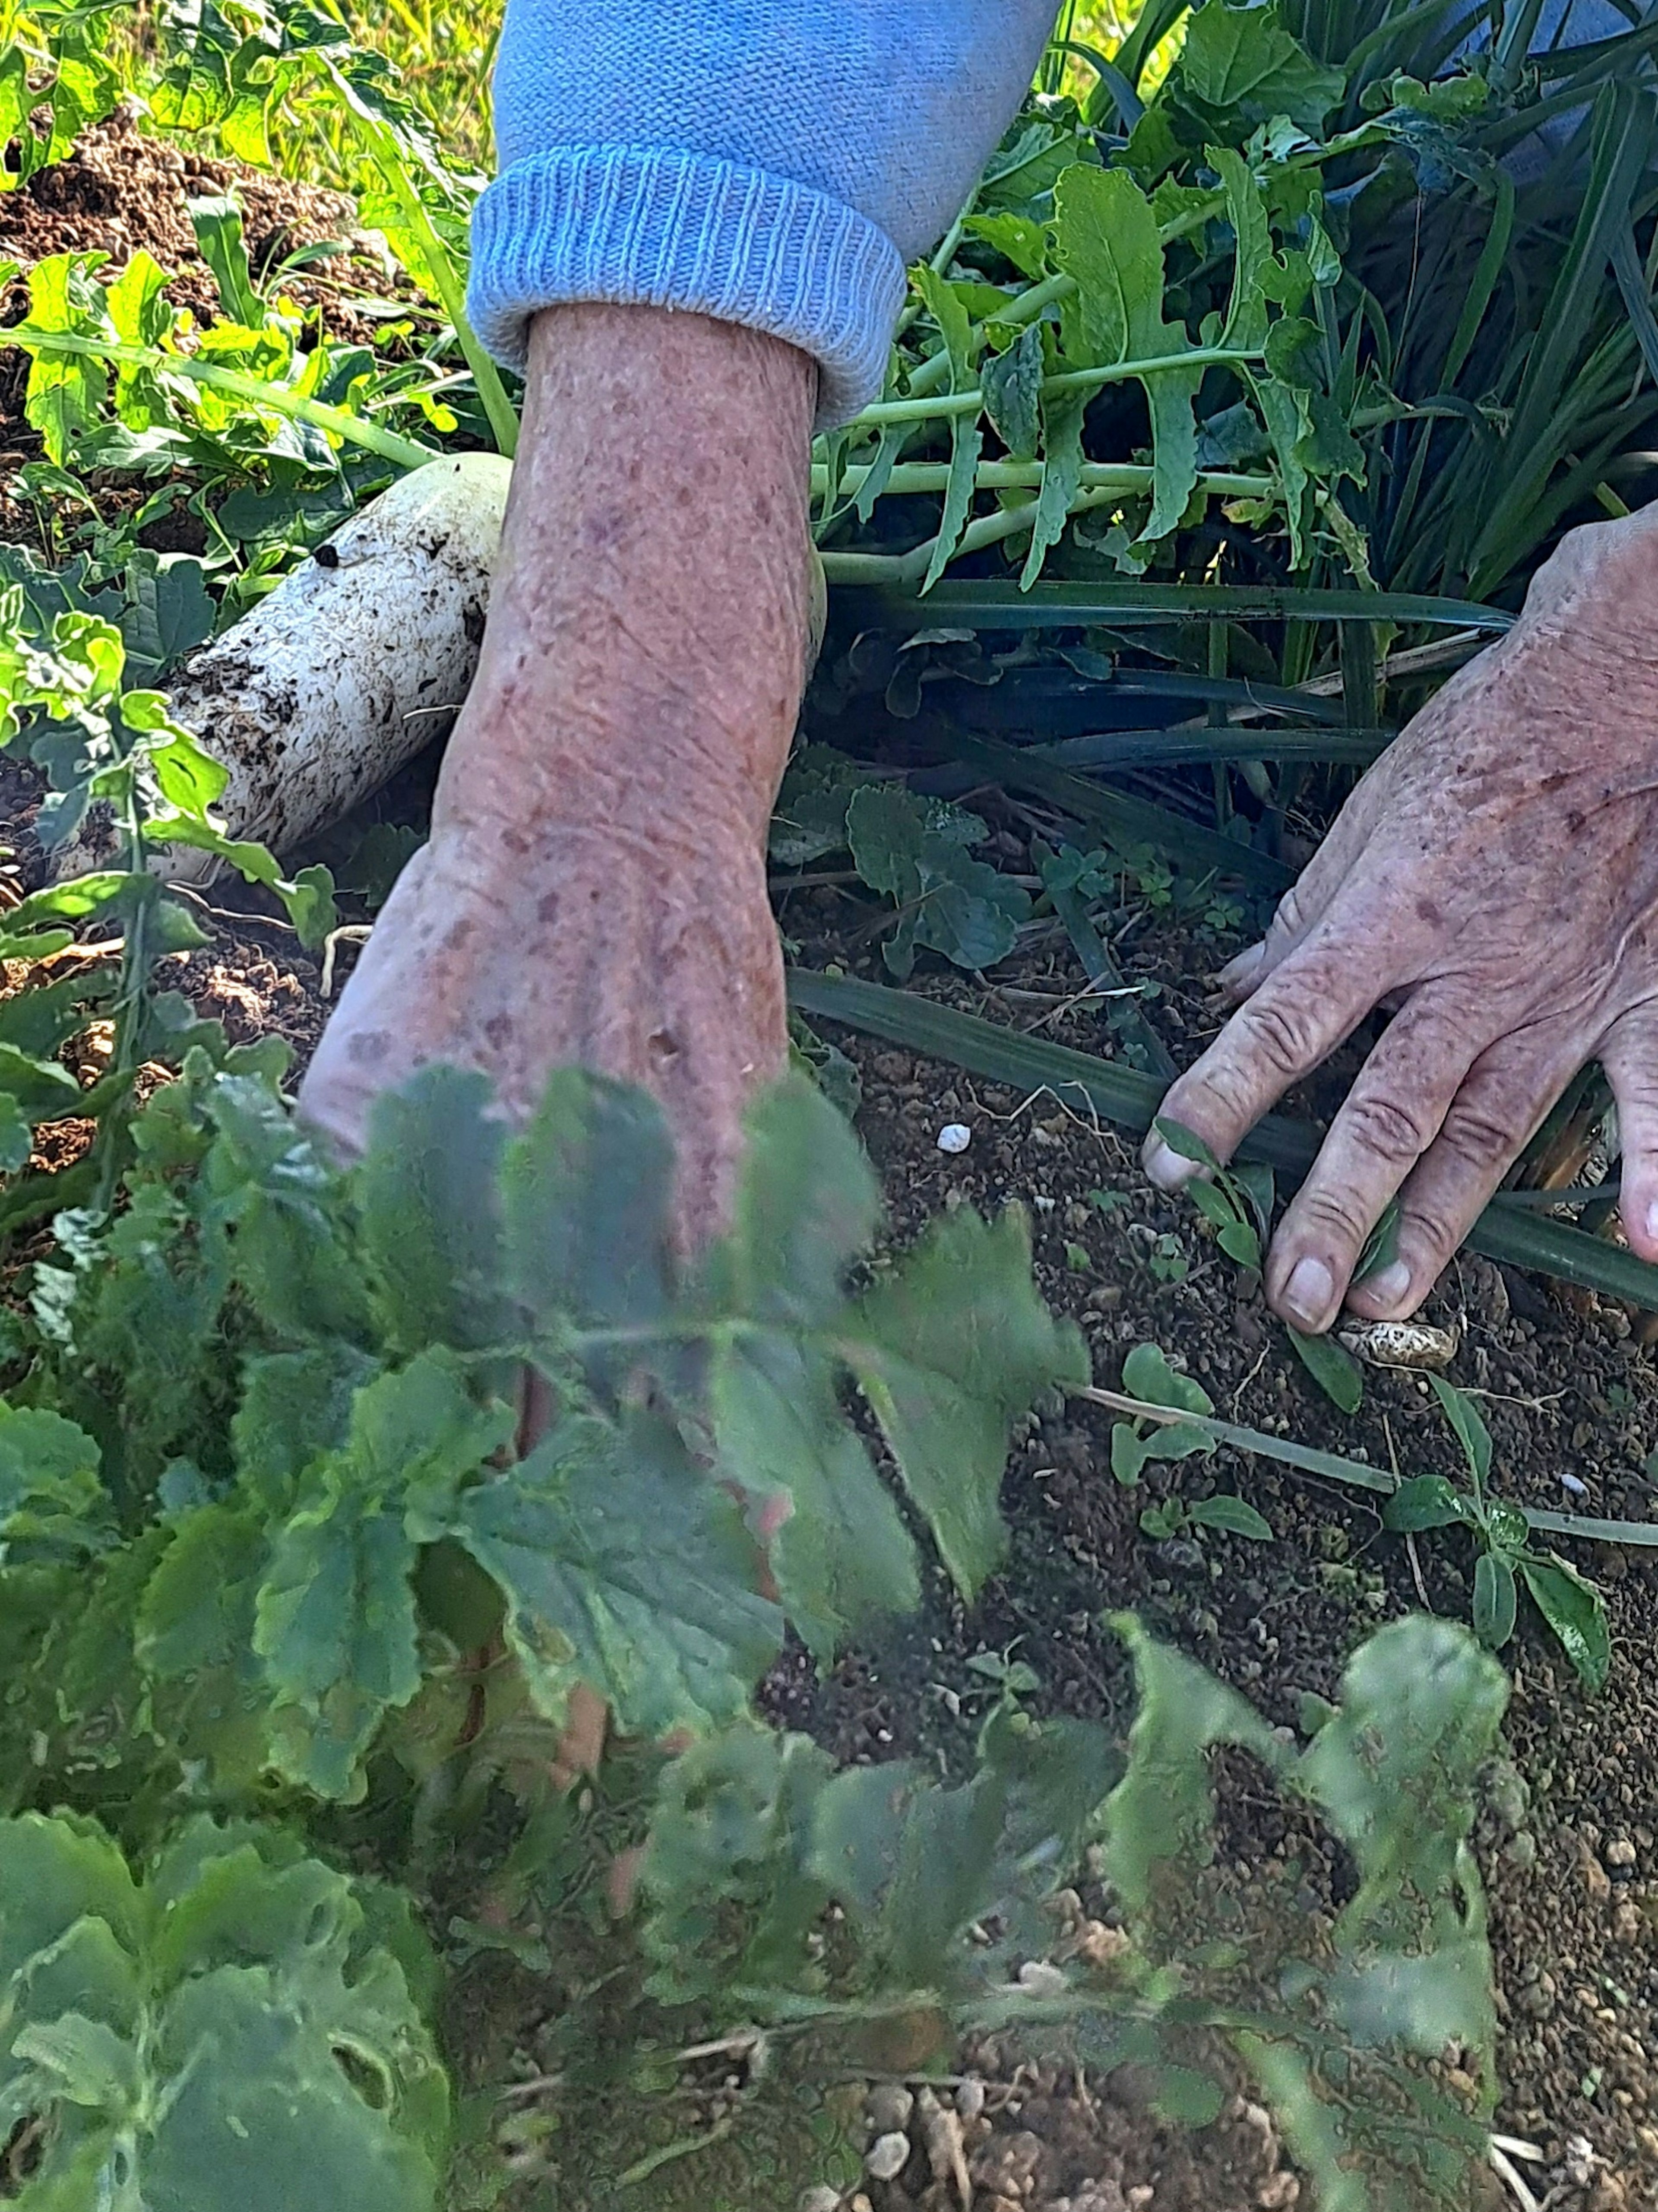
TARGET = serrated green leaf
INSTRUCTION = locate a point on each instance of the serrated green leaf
(334, 1623)
(1160, 1815)
(840, 1555)
(949, 1350)
(1106, 236)
(912, 1864)
(194, 1638)
(806, 1207)
(584, 1195)
(671, 1633)
(1574, 1610)
(52, 1499)
(731, 1898)
(914, 852)
(295, 1406)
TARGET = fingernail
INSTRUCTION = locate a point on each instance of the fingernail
(1307, 1293)
(1652, 1223)
(1389, 1285)
(1165, 1166)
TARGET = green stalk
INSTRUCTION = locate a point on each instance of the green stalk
(1125, 478)
(502, 415)
(1071, 380)
(352, 429)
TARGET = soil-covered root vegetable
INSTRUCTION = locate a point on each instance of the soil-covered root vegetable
(353, 664)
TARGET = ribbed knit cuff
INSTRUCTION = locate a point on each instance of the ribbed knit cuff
(657, 227)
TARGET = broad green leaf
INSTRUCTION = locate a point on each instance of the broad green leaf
(169, 610)
(1242, 64)
(1147, 1375)
(915, 851)
(51, 1497)
(1424, 1501)
(666, 1626)
(949, 1349)
(334, 1623)
(291, 1255)
(1394, 1775)
(1574, 1610)
(731, 1898)
(1159, 1820)
(1011, 383)
(1331, 1366)
(194, 1638)
(16, 1137)
(431, 1214)
(294, 1406)
(1106, 236)
(840, 1555)
(178, 2044)
(912, 1864)
(810, 816)
(1246, 211)
(806, 1207)
(584, 1195)
(1234, 1515)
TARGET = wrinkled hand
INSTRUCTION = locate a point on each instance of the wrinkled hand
(1495, 877)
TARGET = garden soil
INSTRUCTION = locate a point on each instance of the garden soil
(1569, 1838)
(1568, 1835)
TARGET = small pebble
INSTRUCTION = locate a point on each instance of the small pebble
(970, 2099)
(955, 1137)
(888, 2156)
(820, 2199)
(1571, 1483)
(1041, 1978)
(889, 2105)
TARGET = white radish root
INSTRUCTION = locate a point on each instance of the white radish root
(354, 663)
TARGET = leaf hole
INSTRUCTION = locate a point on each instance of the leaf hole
(24, 2150)
(371, 2081)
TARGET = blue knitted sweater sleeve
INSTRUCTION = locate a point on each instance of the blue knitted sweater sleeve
(771, 162)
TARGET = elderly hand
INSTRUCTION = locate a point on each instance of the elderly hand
(1495, 877)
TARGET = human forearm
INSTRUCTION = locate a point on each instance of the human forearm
(594, 889)
(773, 162)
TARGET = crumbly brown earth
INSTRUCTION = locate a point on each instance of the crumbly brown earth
(1570, 1839)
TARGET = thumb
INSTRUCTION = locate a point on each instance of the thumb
(1629, 1053)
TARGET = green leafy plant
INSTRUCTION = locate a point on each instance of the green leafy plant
(235, 2014)
(759, 1847)
(1147, 1375)
(1507, 1555)
(1237, 1202)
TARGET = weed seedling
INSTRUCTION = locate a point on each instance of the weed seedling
(1146, 1375)
(1571, 1605)
(1237, 1202)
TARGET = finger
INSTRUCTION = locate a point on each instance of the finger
(1494, 1116)
(1308, 900)
(1297, 1017)
(1390, 1117)
(1629, 1054)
